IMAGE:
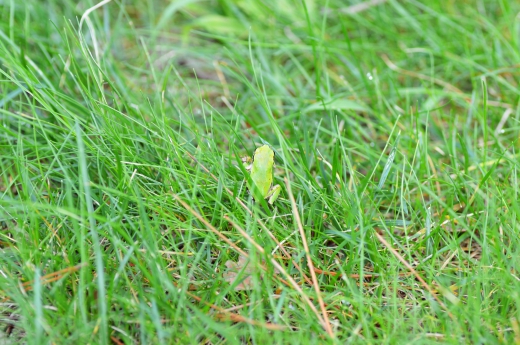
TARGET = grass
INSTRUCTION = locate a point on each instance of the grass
(124, 211)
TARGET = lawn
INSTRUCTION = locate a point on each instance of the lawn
(126, 209)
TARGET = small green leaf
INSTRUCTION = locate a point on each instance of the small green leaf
(220, 25)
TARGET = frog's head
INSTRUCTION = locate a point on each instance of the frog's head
(264, 152)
